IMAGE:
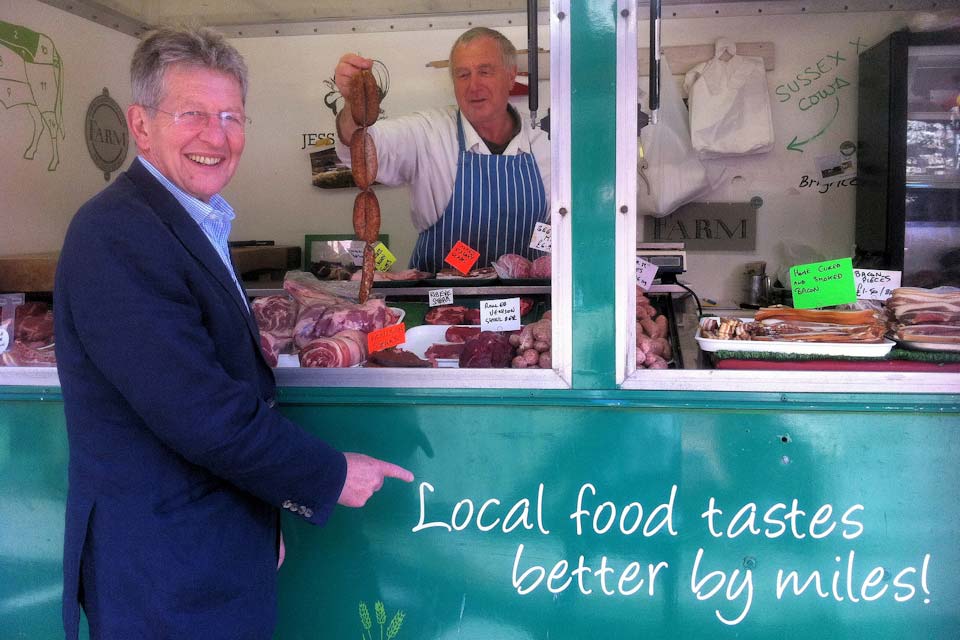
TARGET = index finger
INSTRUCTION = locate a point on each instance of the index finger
(391, 470)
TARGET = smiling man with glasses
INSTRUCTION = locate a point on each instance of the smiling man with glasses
(180, 462)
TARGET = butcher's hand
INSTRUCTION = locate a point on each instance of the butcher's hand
(365, 477)
(350, 64)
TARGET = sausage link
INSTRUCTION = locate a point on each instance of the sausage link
(363, 159)
(364, 98)
(366, 279)
(366, 216)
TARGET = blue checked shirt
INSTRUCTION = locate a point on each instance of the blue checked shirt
(214, 219)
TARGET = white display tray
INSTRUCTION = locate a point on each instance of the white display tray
(853, 349)
(420, 338)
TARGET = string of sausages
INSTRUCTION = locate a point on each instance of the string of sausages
(365, 108)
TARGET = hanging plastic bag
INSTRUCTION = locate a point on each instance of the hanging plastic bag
(671, 174)
(729, 104)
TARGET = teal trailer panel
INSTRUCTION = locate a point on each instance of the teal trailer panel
(691, 508)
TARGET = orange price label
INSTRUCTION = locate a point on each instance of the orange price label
(462, 257)
(387, 337)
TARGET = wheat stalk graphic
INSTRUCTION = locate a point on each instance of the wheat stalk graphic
(365, 618)
(381, 615)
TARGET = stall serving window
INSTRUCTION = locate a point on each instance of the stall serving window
(797, 197)
(746, 297)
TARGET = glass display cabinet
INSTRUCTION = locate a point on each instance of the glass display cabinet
(908, 191)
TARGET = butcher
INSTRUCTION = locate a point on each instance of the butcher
(477, 171)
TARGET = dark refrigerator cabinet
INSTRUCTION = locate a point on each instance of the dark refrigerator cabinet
(908, 191)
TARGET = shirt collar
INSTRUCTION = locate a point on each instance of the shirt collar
(217, 208)
(473, 142)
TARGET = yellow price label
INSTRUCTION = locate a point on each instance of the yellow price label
(384, 259)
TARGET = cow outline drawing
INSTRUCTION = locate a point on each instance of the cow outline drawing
(31, 75)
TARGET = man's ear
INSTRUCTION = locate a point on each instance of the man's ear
(139, 125)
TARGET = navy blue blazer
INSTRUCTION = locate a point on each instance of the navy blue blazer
(179, 462)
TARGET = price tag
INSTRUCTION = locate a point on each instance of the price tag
(355, 248)
(462, 257)
(875, 284)
(646, 273)
(823, 284)
(440, 297)
(500, 315)
(540, 240)
(387, 337)
(384, 258)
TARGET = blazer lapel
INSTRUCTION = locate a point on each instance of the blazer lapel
(191, 236)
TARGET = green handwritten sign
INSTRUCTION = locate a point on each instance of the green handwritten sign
(823, 284)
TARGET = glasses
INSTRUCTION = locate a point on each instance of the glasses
(231, 121)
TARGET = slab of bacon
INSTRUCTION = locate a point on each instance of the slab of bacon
(345, 349)
(926, 315)
(800, 325)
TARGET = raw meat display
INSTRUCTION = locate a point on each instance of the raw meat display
(444, 351)
(21, 354)
(461, 334)
(487, 350)
(307, 290)
(275, 314)
(483, 273)
(395, 357)
(390, 276)
(325, 320)
(272, 346)
(784, 324)
(33, 323)
(447, 314)
(512, 266)
(653, 335)
(926, 315)
(345, 349)
(540, 267)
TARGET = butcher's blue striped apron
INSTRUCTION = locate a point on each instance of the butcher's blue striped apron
(497, 201)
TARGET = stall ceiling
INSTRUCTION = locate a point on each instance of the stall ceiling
(269, 17)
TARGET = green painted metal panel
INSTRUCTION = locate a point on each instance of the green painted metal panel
(593, 80)
(461, 583)
(897, 456)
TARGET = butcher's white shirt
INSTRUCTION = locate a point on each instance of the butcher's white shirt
(421, 150)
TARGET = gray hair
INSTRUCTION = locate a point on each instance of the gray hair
(507, 51)
(189, 46)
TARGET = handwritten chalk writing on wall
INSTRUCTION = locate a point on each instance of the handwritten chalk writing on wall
(837, 577)
(31, 75)
(817, 86)
(806, 182)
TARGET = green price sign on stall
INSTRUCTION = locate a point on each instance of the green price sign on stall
(823, 284)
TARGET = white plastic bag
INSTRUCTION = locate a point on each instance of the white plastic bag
(671, 174)
(729, 104)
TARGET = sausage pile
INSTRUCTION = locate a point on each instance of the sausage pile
(365, 107)
(534, 344)
(653, 345)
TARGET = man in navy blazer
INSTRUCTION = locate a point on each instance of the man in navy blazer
(179, 461)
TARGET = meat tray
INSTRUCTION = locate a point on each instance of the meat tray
(420, 338)
(848, 349)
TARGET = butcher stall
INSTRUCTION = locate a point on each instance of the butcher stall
(729, 411)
